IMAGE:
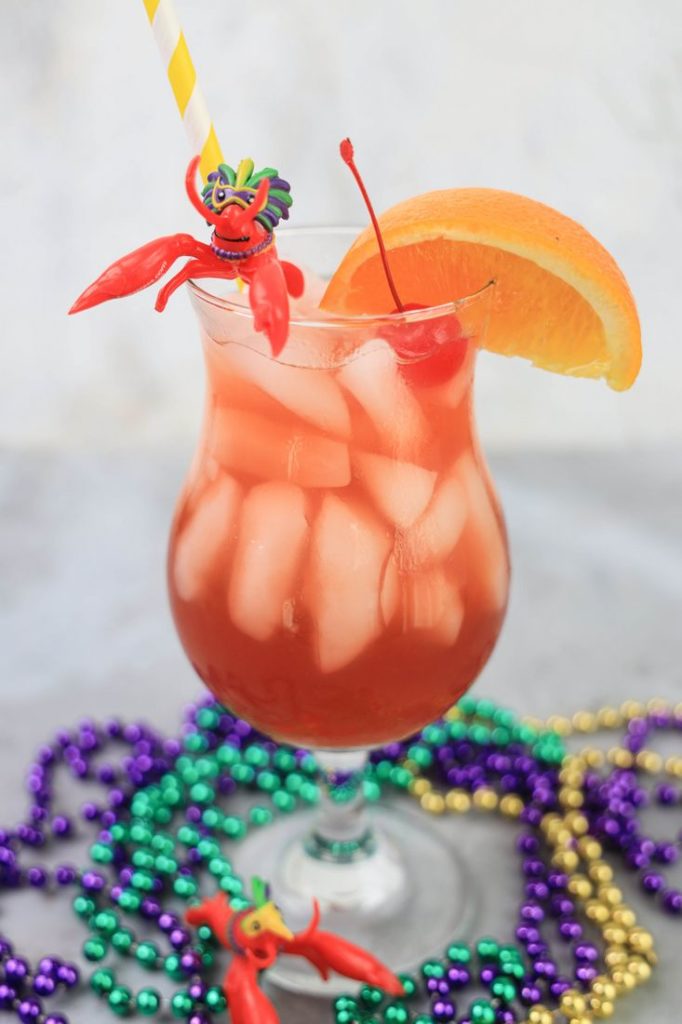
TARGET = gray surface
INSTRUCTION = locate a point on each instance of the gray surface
(594, 618)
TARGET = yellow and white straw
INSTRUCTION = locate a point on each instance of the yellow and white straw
(182, 76)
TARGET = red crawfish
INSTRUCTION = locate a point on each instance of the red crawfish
(258, 935)
(244, 208)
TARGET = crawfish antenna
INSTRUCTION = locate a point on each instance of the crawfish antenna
(347, 155)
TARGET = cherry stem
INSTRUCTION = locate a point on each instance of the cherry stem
(346, 150)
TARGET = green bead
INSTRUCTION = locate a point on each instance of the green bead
(143, 859)
(239, 903)
(148, 1002)
(207, 718)
(514, 970)
(122, 940)
(219, 867)
(147, 954)
(228, 755)
(309, 765)
(458, 730)
(163, 815)
(182, 1004)
(233, 827)
(129, 901)
(101, 853)
(95, 949)
(184, 887)
(434, 735)
(345, 1003)
(208, 848)
(486, 708)
(102, 981)
(500, 737)
(482, 1012)
(205, 934)
(504, 988)
(267, 781)
(293, 782)
(433, 969)
(195, 743)
(202, 793)
(458, 953)
(215, 1000)
(420, 754)
(422, 1018)
(509, 954)
(142, 881)
(309, 792)
(229, 883)
(188, 835)
(84, 906)
(256, 756)
(395, 1013)
(400, 777)
(244, 774)
(479, 734)
(165, 865)
(283, 801)
(383, 770)
(371, 996)
(371, 790)
(212, 817)
(172, 968)
(207, 959)
(120, 999)
(140, 833)
(119, 832)
(105, 922)
(487, 949)
(467, 705)
(284, 760)
(347, 1017)
(172, 798)
(260, 815)
(410, 986)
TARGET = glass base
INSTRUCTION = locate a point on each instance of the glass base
(404, 901)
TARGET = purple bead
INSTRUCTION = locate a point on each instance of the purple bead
(44, 985)
(533, 867)
(672, 901)
(167, 922)
(150, 908)
(505, 1016)
(68, 975)
(544, 969)
(531, 912)
(666, 853)
(666, 794)
(535, 949)
(106, 774)
(570, 930)
(432, 986)
(587, 952)
(61, 825)
(487, 974)
(55, 1018)
(196, 989)
(5, 947)
(90, 811)
(558, 987)
(29, 1010)
(528, 844)
(458, 976)
(7, 996)
(652, 881)
(49, 965)
(179, 938)
(193, 814)
(116, 798)
(537, 891)
(190, 961)
(37, 877)
(16, 969)
(107, 818)
(530, 994)
(586, 974)
(443, 1010)
(194, 856)
(557, 880)
(92, 881)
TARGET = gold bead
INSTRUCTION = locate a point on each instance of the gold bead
(602, 1007)
(640, 969)
(623, 979)
(533, 722)
(570, 798)
(571, 776)
(453, 714)
(597, 912)
(577, 822)
(615, 957)
(658, 706)
(609, 718)
(592, 757)
(673, 765)
(600, 872)
(589, 848)
(560, 724)
(615, 936)
(434, 803)
(583, 1018)
(485, 799)
(632, 709)
(580, 886)
(620, 757)
(624, 917)
(585, 721)
(550, 821)
(604, 988)
(419, 787)
(572, 1003)
(640, 940)
(649, 761)
(511, 805)
(539, 1014)
(611, 895)
(566, 860)
(457, 800)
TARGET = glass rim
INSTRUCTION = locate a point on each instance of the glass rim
(333, 320)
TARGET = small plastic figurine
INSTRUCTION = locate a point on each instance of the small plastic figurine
(244, 208)
(258, 935)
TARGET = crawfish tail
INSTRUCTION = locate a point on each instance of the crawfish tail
(247, 1003)
(338, 955)
(138, 270)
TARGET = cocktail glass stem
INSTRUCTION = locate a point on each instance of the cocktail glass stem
(342, 830)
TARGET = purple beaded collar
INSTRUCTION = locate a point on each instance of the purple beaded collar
(225, 254)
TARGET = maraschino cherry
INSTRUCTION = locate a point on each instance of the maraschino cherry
(434, 349)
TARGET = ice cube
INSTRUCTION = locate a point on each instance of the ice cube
(433, 537)
(390, 591)
(312, 394)
(271, 449)
(400, 490)
(373, 377)
(485, 530)
(273, 531)
(431, 602)
(206, 540)
(348, 555)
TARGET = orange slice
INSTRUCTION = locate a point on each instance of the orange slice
(560, 300)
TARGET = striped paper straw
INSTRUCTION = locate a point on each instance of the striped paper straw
(182, 76)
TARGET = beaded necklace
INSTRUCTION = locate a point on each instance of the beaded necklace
(160, 827)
